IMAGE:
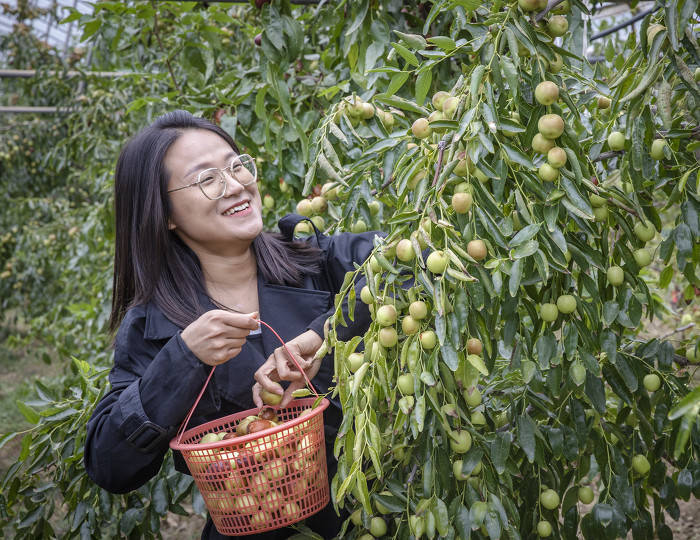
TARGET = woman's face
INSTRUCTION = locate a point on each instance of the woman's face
(210, 226)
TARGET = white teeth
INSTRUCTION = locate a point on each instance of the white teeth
(238, 208)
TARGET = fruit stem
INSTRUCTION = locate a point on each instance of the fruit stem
(550, 6)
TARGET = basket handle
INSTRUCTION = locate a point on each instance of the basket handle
(181, 429)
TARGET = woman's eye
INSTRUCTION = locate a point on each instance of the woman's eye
(208, 180)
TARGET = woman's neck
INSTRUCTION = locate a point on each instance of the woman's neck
(223, 274)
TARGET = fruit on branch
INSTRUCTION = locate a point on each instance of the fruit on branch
(359, 226)
(603, 102)
(474, 346)
(557, 64)
(652, 382)
(566, 303)
(616, 141)
(478, 419)
(551, 126)
(366, 295)
(556, 157)
(464, 165)
(544, 528)
(547, 93)
(597, 201)
(541, 144)
(418, 310)
(477, 250)
(640, 465)
(557, 26)
(355, 360)
(601, 213)
(644, 230)
(404, 250)
(428, 339)
(377, 527)
(257, 40)
(367, 111)
(549, 312)
(585, 494)
(460, 441)
(388, 337)
(319, 204)
(549, 499)
(304, 208)
(437, 262)
(439, 99)
(528, 5)
(421, 128)
(449, 107)
(616, 276)
(642, 257)
(472, 396)
(268, 201)
(386, 315)
(657, 149)
(462, 202)
(457, 470)
(409, 325)
(405, 383)
(548, 173)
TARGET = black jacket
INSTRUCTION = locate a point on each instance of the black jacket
(156, 378)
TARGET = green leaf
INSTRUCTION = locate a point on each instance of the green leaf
(595, 390)
(500, 448)
(463, 523)
(526, 436)
(30, 414)
(401, 103)
(423, 82)
(690, 404)
(517, 156)
(445, 43)
(468, 5)
(525, 234)
(476, 361)
(407, 55)
(397, 81)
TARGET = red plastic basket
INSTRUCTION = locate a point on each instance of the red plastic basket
(265, 480)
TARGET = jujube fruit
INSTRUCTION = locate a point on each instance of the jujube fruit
(556, 157)
(541, 144)
(557, 25)
(437, 262)
(549, 499)
(616, 141)
(652, 382)
(566, 303)
(640, 465)
(462, 202)
(548, 173)
(421, 128)
(544, 528)
(386, 315)
(405, 382)
(474, 346)
(404, 250)
(585, 495)
(549, 312)
(418, 310)
(547, 93)
(477, 250)
(657, 149)
(616, 276)
(551, 126)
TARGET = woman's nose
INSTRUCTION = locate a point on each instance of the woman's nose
(232, 185)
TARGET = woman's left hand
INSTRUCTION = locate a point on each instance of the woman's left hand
(279, 367)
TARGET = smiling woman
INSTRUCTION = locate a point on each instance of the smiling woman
(193, 273)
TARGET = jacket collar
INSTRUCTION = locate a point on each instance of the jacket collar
(286, 309)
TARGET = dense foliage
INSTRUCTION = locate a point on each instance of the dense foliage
(442, 435)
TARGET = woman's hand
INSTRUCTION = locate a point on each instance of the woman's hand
(279, 367)
(218, 335)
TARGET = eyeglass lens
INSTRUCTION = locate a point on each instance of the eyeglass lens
(242, 169)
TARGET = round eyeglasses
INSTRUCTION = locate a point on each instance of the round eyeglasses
(213, 182)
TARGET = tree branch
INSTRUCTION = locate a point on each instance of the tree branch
(542, 14)
(160, 44)
(608, 155)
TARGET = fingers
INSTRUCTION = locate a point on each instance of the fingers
(287, 396)
(239, 321)
(266, 376)
(256, 395)
(286, 369)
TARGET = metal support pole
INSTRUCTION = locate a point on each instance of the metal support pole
(36, 110)
(29, 73)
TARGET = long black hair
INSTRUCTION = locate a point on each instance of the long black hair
(151, 262)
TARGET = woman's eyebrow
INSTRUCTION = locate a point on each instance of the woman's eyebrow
(208, 164)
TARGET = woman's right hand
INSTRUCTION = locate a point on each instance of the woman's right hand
(218, 335)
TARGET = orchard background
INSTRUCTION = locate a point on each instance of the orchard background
(443, 435)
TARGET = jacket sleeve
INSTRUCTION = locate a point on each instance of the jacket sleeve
(342, 252)
(152, 388)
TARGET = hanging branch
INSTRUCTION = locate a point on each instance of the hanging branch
(624, 24)
(542, 14)
(160, 44)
